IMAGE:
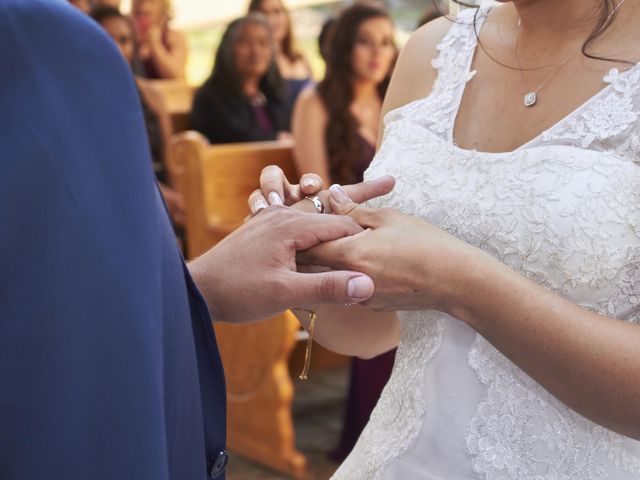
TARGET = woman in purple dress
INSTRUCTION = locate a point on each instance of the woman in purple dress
(335, 131)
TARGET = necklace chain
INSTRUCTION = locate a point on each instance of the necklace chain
(531, 97)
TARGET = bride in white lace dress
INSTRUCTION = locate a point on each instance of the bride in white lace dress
(518, 341)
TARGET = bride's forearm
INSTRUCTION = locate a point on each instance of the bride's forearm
(588, 361)
(354, 330)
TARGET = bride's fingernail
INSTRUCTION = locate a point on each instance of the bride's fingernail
(259, 204)
(309, 182)
(338, 194)
(274, 199)
(359, 287)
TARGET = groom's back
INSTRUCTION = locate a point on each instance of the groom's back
(101, 329)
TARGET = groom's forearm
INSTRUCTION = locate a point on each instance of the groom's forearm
(204, 282)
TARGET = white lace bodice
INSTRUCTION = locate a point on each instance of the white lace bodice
(563, 210)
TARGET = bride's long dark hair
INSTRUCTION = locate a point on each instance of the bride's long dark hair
(604, 22)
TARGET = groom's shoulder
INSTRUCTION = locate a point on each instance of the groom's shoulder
(52, 24)
(28, 11)
(69, 107)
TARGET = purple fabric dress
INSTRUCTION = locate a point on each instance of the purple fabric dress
(368, 377)
(149, 67)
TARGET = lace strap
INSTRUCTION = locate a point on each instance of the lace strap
(456, 52)
(608, 121)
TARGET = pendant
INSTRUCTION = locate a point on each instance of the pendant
(530, 99)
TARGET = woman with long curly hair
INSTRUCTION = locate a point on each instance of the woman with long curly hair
(335, 124)
(292, 65)
(162, 50)
(335, 131)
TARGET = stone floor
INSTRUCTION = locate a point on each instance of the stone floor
(317, 410)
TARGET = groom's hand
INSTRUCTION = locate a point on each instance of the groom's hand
(252, 273)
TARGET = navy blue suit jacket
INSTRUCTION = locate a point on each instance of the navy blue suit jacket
(108, 362)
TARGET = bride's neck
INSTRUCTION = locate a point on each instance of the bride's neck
(557, 19)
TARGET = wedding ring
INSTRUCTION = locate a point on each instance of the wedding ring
(317, 203)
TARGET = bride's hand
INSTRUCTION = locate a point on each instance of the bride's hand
(275, 189)
(414, 265)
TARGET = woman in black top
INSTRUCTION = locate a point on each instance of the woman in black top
(244, 99)
(156, 117)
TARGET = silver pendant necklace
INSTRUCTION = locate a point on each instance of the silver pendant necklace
(531, 97)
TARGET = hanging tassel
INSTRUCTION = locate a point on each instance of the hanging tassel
(313, 314)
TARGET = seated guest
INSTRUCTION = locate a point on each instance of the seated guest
(292, 65)
(335, 128)
(323, 37)
(156, 117)
(335, 124)
(163, 51)
(243, 99)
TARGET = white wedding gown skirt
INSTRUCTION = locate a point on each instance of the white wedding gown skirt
(563, 210)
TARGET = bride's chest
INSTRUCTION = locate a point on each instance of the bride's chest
(496, 95)
(567, 217)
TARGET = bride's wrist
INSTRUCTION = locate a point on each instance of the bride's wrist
(477, 289)
(461, 278)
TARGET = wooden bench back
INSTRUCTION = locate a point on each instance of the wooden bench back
(216, 181)
(178, 100)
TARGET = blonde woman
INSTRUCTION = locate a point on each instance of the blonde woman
(292, 65)
(162, 50)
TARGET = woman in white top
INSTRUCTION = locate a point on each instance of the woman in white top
(514, 136)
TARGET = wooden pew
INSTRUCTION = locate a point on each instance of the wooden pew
(178, 99)
(216, 182)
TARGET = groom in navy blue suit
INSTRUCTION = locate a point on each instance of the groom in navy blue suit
(108, 362)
